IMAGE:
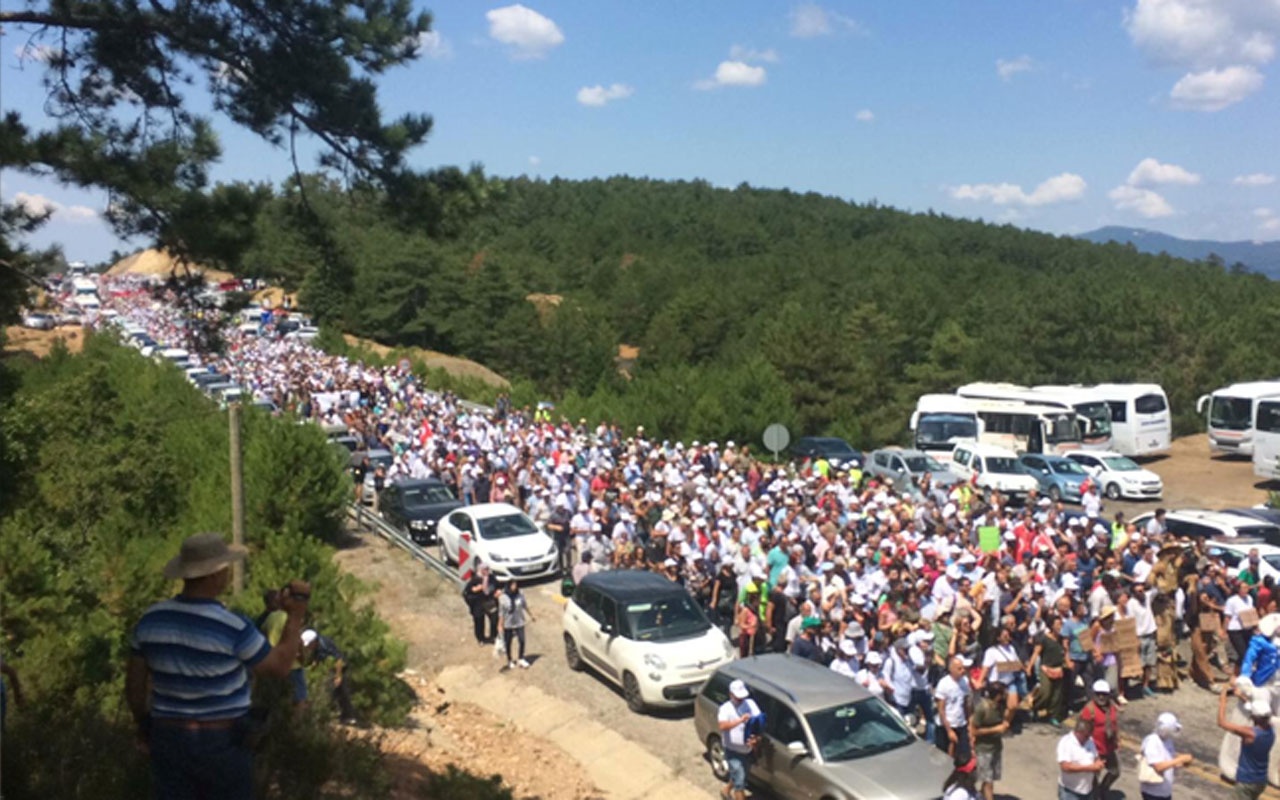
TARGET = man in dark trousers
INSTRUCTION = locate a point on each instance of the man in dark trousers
(481, 594)
(191, 703)
(779, 615)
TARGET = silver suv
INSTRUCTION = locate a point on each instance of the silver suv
(824, 735)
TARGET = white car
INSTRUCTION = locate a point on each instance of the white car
(1234, 555)
(645, 634)
(503, 537)
(303, 335)
(1119, 476)
(993, 468)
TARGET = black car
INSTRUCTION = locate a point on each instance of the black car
(415, 506)
(836, 450)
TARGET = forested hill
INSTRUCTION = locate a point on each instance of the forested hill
(751, 305)
(1261, 257)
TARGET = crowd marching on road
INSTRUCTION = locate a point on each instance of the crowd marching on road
(970, 615)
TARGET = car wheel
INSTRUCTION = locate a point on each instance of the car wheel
(1113, 491)
(571, 654)
(631, 691)
(1055, 494)
(715, 757)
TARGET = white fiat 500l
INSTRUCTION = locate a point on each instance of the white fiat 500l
(503, 537)
(645, 634)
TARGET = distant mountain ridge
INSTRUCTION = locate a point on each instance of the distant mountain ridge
(1263, 257)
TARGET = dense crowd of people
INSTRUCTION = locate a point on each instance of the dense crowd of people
(969, 613)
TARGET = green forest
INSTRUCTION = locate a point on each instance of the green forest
(749, 305)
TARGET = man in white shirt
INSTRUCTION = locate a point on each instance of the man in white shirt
(1078, 763)
(1139, 607)
(954, 699)
(1237, 632)
(738, 742)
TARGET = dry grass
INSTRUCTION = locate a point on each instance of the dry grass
(457, 367)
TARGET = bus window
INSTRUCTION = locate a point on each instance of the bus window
(1149, 404)
(1119, 410)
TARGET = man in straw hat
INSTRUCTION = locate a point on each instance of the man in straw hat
(188, 675)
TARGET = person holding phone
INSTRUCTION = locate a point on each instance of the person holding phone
(739, 743)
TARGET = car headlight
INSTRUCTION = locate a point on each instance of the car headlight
(497, 558)
(551, 551)
(420, 524)
(654, 661)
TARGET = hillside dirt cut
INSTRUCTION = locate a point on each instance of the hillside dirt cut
(19, 340)
(457, 367)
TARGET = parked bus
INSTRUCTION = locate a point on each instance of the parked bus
(1094, 413)
(1266, 438)
(1141, 422)
(1231, 411)
(942, 421)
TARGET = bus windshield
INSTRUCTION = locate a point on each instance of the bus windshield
(1268, 417)
(1059, 428)
(940, 431)
(1231, 413)
(1099, 416)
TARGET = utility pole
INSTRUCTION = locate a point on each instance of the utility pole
(237, 496)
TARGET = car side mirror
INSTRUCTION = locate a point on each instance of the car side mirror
(607, 629)
(797, 748)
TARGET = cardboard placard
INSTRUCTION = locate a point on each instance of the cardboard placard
(1130, 666)
(1125, 634)
(1210, 622)
(1249, 618)
(1010, 666)
(988, 538)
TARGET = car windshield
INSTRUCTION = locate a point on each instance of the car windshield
(1067, 467)
(1099, 416)
(1273, 561)
(1120, 464)
(1059, 428)
(857, 730)
(1231, 413)
(1002, 464)
(918, 464)
(937, 431)
(665, 618)
(507, 526)
(426, 495)
(834, 448)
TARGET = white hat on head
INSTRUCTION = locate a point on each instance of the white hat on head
(308, 636)
(1100, 686)
(874, 658)
(738, 690)
(848, 647)
(1259, 708)
(1169, 720)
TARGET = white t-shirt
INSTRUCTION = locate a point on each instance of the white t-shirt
(735, 738)
(1156, 750)
(1070, 751)
(1233, 608)
(999, 654)
(845, 667)
(958, 792)
(953, 694)
(870, 680)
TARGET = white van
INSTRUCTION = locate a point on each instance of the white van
(992, 468)
(1232, 411)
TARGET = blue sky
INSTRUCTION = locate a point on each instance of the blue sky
(1057, 115)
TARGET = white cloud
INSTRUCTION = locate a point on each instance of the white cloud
(1221, 44)
(599, 95)
(1215, 89)
(810, 19)
(741, 53)
(1143, 202)
(535, 161)
(1254, 179)
(1006, 69)
(433, 45)
(39, 204)
(525, 31)
(1058, 189)
(1263, 213)
(1268, 222)
(40, 53)
(734, 73)
(1150, 172)
(865, 115)
(1205, 33)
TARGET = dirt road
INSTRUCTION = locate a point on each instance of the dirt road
(1194, 480)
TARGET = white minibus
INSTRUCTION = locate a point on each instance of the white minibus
(1230, 415)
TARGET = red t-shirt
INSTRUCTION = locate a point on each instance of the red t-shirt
(1105, 726)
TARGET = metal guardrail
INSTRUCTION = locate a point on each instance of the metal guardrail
(366, 519)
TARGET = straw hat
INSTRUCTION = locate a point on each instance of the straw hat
(203, 554)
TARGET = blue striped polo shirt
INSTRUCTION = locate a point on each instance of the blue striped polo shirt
(199, 653)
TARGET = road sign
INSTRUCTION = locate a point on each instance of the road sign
(776, 438)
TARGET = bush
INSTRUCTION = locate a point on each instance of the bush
(120, 459)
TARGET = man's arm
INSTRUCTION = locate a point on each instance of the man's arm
(1243, 731)
(283, 656)
(1071, 766)
(136, 684)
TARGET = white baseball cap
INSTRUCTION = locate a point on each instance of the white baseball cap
(738, 690)
(1101, 687)
(1168, 719)
(848, 647)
